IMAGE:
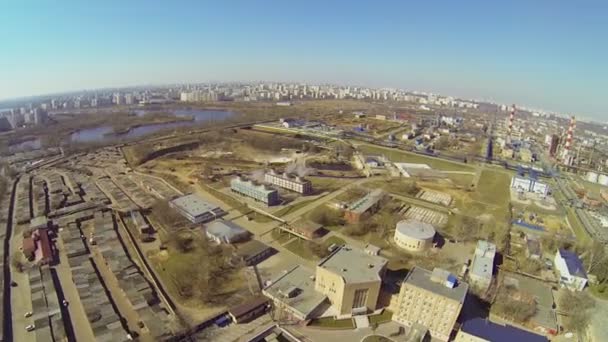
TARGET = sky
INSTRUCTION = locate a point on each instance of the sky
(550, 55)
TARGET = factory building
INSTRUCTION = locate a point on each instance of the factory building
(351, 280)
(414, 236)
(529, 185)
(258, 192)
(195, 209)
(363, 207)
(572, 273)
(431, 299)
(483, 265)
(289, 182)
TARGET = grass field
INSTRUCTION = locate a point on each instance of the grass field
(229, 200)
(461, 180)
(331, 323)
(408, 157)
(577, 227)
(299, 247)
(493, 188)
(289, 209)
(384, 317)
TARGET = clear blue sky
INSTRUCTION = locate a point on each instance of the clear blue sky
(548, 54)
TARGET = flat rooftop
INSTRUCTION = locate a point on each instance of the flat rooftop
(194, 205)
(483, 261)
(421, 278)
(364, 203)
(299, 283)
(353, 264)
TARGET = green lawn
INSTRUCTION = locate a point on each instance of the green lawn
(384, 317)
(289, 209)
(494, 188)
(461, 179)
(229, 200)
(331, 323)
(577, 226)
(408, 157)
(599, 291)
(299, 247)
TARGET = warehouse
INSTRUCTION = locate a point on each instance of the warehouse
(363, 207)
(195, 209)
(226, 232)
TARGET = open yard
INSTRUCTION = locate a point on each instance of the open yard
(408, 157)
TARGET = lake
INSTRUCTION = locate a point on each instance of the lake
(105, 132)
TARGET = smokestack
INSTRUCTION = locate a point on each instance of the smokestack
(510, 127)
(570, 134)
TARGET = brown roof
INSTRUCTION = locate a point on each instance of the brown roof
(306, 226)
(248, 306)
(28, 245)
(45, 243)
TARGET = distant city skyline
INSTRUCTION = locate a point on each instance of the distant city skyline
(546, 55)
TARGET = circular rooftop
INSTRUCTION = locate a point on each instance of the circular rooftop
(415, 229)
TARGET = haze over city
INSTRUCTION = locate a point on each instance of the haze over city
(541, 54)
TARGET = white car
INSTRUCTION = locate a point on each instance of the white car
(30, 327)
(28, 314)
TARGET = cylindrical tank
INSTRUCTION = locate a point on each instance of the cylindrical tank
(603, 180)
(592, 177)
(414, 236)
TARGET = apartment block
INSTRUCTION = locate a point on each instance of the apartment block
(432, 299)
(289, 182)
(258, 192)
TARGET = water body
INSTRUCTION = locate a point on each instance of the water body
(105, 132)
(33, 144)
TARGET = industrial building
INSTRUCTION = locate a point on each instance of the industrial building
(226, 232)
(351, 279)
(289, 182)
(414, 236)
(529, 185)
(258, 192)
(195, 209)
(431, 299)
(249, 310)
(253, 252)
(572, 273)
(482, 265)
(363, 207)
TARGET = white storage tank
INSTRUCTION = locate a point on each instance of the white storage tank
(414, 236)
(603, 180)
(592, 177)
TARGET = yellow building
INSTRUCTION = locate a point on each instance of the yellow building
(431, 299)
(351, 280)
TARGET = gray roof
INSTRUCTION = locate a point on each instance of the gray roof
(416, 229)
(193, 204)
(483, 261)
(364, 203)
(421, 278)
(353, 264)
(305, 300)
(226, 230)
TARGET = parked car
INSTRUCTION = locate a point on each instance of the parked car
(28, 314)
(30, 327)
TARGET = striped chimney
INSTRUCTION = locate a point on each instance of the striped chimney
(570, 134)
(511, 118)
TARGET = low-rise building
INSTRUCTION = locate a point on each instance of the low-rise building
(351, 280)
(524, 184)
(363, 207)
(431, 299)
(253, 252)
(306, 228)
(414, 236)
(222, 231)
(482, 266)
(482, 330)
(289, 182)
(572, 273)
(195, 209)
(249, 310)
(533, 247)
(294, 295)
(258, 192)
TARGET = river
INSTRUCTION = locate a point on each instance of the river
(105, 132)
